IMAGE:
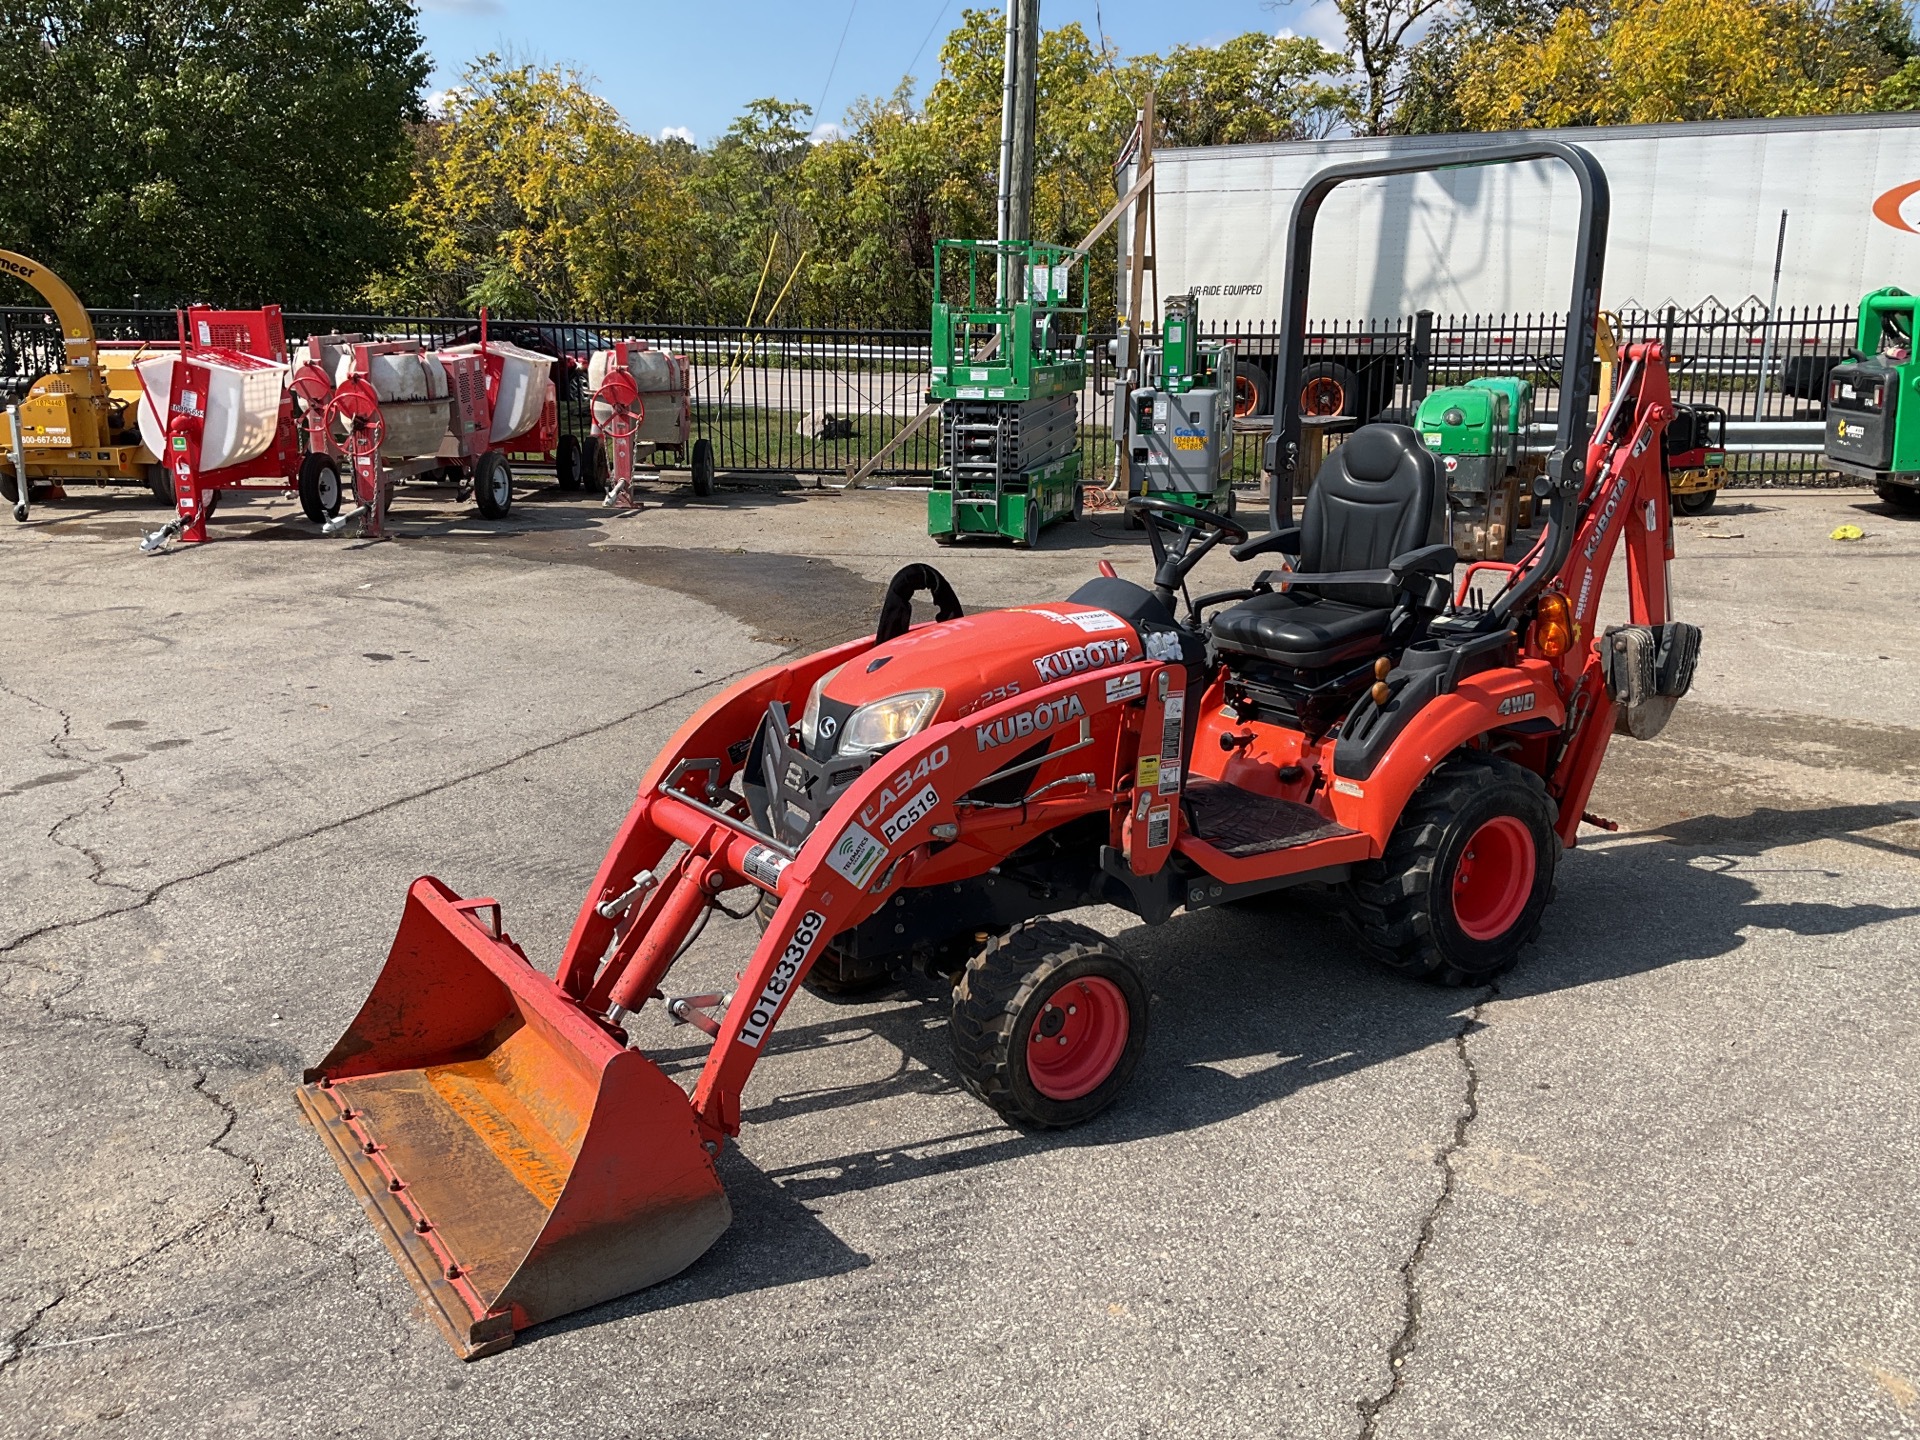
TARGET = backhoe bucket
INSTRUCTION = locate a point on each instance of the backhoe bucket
(518, 1160)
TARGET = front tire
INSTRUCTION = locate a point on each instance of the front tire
(1695, 502)
(493, 485)
(1903, 498)
(160, 482)
(593, 464)
(566, 463)
(1466, 874)
(702, 467)
(319, 488)
(1049, 1022)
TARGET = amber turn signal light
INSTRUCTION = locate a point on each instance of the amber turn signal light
(1553, 626)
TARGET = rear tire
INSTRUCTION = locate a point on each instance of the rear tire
(1328, 390)
(319, 488)
(160, 482)
(593, 464)
(1695, 502)
(493, 485)
(566, 463)
(703, 467)
(1465, 877)
(1903, 498)
(1049, 1022)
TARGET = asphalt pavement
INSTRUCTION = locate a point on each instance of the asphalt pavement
(1660, 1181)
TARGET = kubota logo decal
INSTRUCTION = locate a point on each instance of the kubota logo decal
(1889, 207)
(781, 981)
(1093, 655)
(1041, 718)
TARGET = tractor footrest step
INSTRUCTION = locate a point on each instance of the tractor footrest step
(1240, 823)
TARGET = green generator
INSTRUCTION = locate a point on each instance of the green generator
(1179, 419)
(1475, 432)
(1009, 363)
(1873, 430)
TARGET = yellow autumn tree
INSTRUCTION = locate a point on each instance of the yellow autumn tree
(1647, 61)
(533, 197)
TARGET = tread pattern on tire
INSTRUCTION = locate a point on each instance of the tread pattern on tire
(993, 990)
(1388, 906)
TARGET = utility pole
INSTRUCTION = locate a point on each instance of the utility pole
(1018, 96)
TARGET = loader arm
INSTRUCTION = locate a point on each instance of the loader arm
(914, 803)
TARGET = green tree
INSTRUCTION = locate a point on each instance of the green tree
(236, 151)
(1253, 87)
(1381, 38)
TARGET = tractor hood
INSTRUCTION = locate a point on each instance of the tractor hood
(933, 673)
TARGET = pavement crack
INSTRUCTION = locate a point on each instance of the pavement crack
(60, 742)
(1408, 1340)
(148, 896)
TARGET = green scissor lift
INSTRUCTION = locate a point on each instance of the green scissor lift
(1009, 362)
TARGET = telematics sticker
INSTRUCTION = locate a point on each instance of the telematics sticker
(1095, 621)
(856, 855)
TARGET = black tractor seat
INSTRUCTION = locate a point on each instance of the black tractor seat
(1378, 499)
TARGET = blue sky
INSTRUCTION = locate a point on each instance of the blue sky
(692, 65)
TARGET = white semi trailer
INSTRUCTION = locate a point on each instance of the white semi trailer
(1696, 225)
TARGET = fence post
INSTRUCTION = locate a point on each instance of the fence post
(1422, 358)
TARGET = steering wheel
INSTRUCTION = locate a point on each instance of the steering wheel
(1172, 563)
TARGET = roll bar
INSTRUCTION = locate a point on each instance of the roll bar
(1567, 462)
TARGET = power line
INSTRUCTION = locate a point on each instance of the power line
(836, 61)
(939, 15)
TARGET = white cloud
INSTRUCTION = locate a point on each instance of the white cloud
(677, 132)
(826, 130)
(1316, 20)
(465, 7)
(439, 102)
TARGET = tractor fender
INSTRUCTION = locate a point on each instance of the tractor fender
(1518, 694)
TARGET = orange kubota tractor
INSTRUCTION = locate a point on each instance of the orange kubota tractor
(1350, 718)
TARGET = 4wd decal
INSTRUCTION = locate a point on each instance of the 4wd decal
(781, 981)
(1517, 704)
(895, 790)
(1094, 655)
(1042, 718)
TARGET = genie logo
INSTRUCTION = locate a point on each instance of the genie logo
(1041, 718)
(1093, 655)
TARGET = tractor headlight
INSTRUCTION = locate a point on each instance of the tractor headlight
(887, 722)
(810, 717)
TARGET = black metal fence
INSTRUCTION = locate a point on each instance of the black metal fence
(824, 401)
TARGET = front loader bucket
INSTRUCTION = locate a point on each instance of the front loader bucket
(518, 1160)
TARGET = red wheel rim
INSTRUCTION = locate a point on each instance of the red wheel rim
(621, 396)
(1077, 1038)
(1245, 397)
(1323, 395)
(1493, 878)
(354, 415)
